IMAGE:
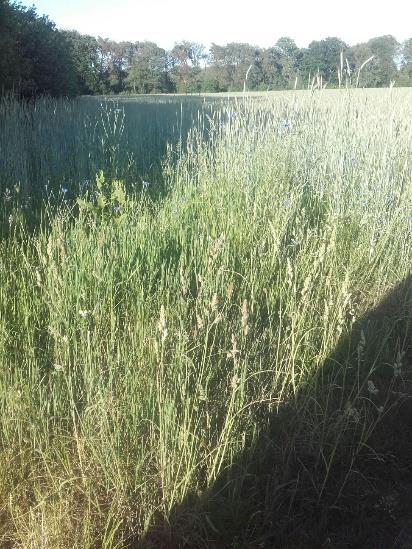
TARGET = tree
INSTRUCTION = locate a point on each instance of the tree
(185, 59)
(35, 57)
(234, 62)
(273, 76)
(10, 66)
(115, 60)
(406, 62)
(148, 70)
(323, 57)
(85, 53)
(290, 56)
(373, 63)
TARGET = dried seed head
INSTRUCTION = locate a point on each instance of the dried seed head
(229, 291)
(234, 350)
(200, 323)
(352, 413)
(289, 271)
(214, 303)
(371, 388)
(234, 382)
(38, 279)
(162, 323)
(361, 344)
(397, 367)
(245, 317)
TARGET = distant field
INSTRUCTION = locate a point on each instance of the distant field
(205, 321)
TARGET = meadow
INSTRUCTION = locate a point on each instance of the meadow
(205, 308)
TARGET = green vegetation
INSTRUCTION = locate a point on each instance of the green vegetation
(206, 344)
(36, 58)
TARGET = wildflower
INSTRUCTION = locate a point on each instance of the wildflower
(58, 367)
(83, 313)
(146, 184)
(286, 203)
(371, 388)
(64, 190)
(285, 126)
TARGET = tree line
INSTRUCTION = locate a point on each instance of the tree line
(37, 58)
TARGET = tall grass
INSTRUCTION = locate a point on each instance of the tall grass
(155, 349)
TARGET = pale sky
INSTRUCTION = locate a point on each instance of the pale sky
(258, 22)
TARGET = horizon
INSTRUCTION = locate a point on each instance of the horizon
(316, 21)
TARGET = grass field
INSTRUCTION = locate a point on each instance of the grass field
(205, 310)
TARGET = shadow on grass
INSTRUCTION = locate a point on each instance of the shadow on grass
(333, 468)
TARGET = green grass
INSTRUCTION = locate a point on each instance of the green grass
(221, 359)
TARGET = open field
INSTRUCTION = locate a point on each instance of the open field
(205, 322)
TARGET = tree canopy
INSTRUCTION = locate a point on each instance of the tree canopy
(37, 58)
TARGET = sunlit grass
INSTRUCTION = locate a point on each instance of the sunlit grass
(147, 342)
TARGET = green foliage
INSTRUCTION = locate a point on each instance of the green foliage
(406, 61)
(185, 59)
(380, 69)
(108, 203)
(148, 70)
(323, 57)
(35, 57)
(85, 53)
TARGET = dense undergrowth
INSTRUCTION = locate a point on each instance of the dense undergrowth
(225, 361)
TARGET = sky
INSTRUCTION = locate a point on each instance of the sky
(258, 22)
